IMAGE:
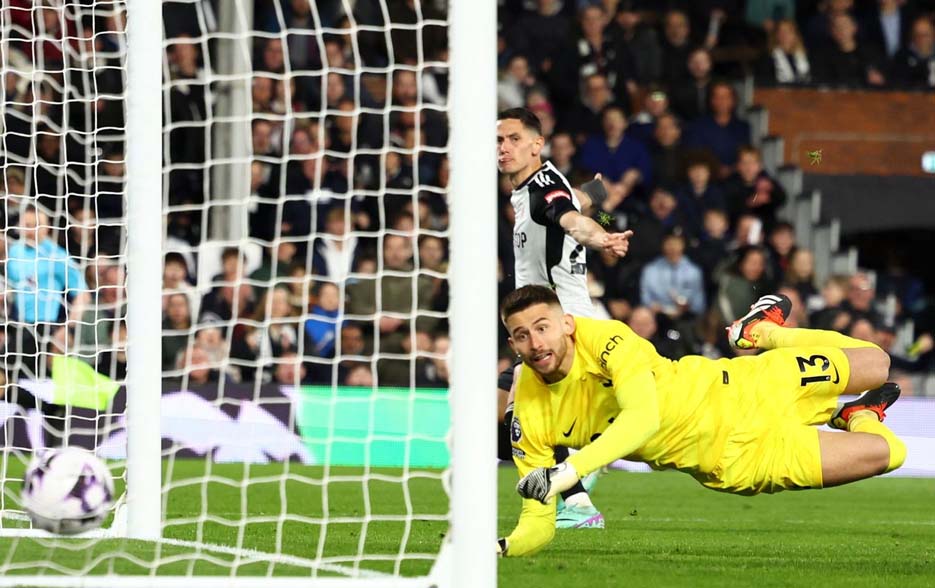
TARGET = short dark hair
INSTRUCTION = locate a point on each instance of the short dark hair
(524, 115)
(522, 298)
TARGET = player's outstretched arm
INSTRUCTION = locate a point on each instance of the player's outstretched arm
(536, 526)
(589, 233)
(637, 421)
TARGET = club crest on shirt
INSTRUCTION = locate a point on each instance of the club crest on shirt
(516, 432)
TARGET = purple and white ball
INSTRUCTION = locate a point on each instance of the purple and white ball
(67, 491)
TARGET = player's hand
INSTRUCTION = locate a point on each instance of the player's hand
(618, 243)
(543, 484)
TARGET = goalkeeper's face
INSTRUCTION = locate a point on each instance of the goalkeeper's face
(541, 336)
(518, 148)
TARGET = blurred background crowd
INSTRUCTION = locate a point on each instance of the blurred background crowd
(338, 275)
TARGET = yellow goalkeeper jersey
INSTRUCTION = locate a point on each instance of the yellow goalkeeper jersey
(620, 399)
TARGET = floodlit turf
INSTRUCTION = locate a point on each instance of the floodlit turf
(663, 529)
(225, 500)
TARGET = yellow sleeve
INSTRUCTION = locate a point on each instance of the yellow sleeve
(536, 525)
(531, 450)
(627, 360)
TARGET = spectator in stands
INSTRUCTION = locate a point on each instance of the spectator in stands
(639, 40)
(396, 291)
(353, 340)
(721, 131)
(290, 370)
(321, 326)
(359, 374)
(818, 29)
(47, 295)
(711, 249)
(690, 98)
(845, 63)
(752, 190)
(748, 230)
(668, 155)
(798, 317)
(780, 242)
(514, 83)
(886, 27)
(437, 371)
(598, 52)
(80, 240)
(672, 284)
(231, 297)
(562, 156)
(113, 362)
(196, 367)
(643, 322)
(585, 119)
(541, 35)
(744, 283)
(432, 258)
(176, 326)
(860, 298)
(699, 194)
(262, 93)
(649, 229)
(622, 161)
(786, 62)
(620, 280)
(272, 57)
(800, 275)
(832, 315)
(187, 101)
(676, 47)
(303, 49)
(334, 249)
(914, 65)
(643, 124)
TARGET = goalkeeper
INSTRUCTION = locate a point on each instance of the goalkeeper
(744, 425)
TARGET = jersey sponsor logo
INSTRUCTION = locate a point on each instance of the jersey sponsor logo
(610, 346)
(556, 194)
(543, 179)
(570, 429)
(516, 431)
(518, 453)
(519, 240)
(579, 269)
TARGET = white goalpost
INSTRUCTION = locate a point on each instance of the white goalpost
(251, 257)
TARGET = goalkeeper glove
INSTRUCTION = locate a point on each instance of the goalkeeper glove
(502, 546)
(543, 484)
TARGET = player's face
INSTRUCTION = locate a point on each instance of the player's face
(541, 336)
(517, 146)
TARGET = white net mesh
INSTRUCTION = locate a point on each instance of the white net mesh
(304, 409)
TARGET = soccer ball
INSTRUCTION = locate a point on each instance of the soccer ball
(67, 491)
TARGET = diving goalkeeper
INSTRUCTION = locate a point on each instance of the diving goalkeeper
(743, 425)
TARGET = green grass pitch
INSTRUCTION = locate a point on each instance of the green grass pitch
(663, 529)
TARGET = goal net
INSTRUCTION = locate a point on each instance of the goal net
(286, 404)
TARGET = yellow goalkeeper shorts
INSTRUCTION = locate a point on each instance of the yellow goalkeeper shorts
(778, 398)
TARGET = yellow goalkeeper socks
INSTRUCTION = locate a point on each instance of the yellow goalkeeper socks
(772, 336)
(866, 421)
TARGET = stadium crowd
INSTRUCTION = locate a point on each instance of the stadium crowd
(348, 176)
